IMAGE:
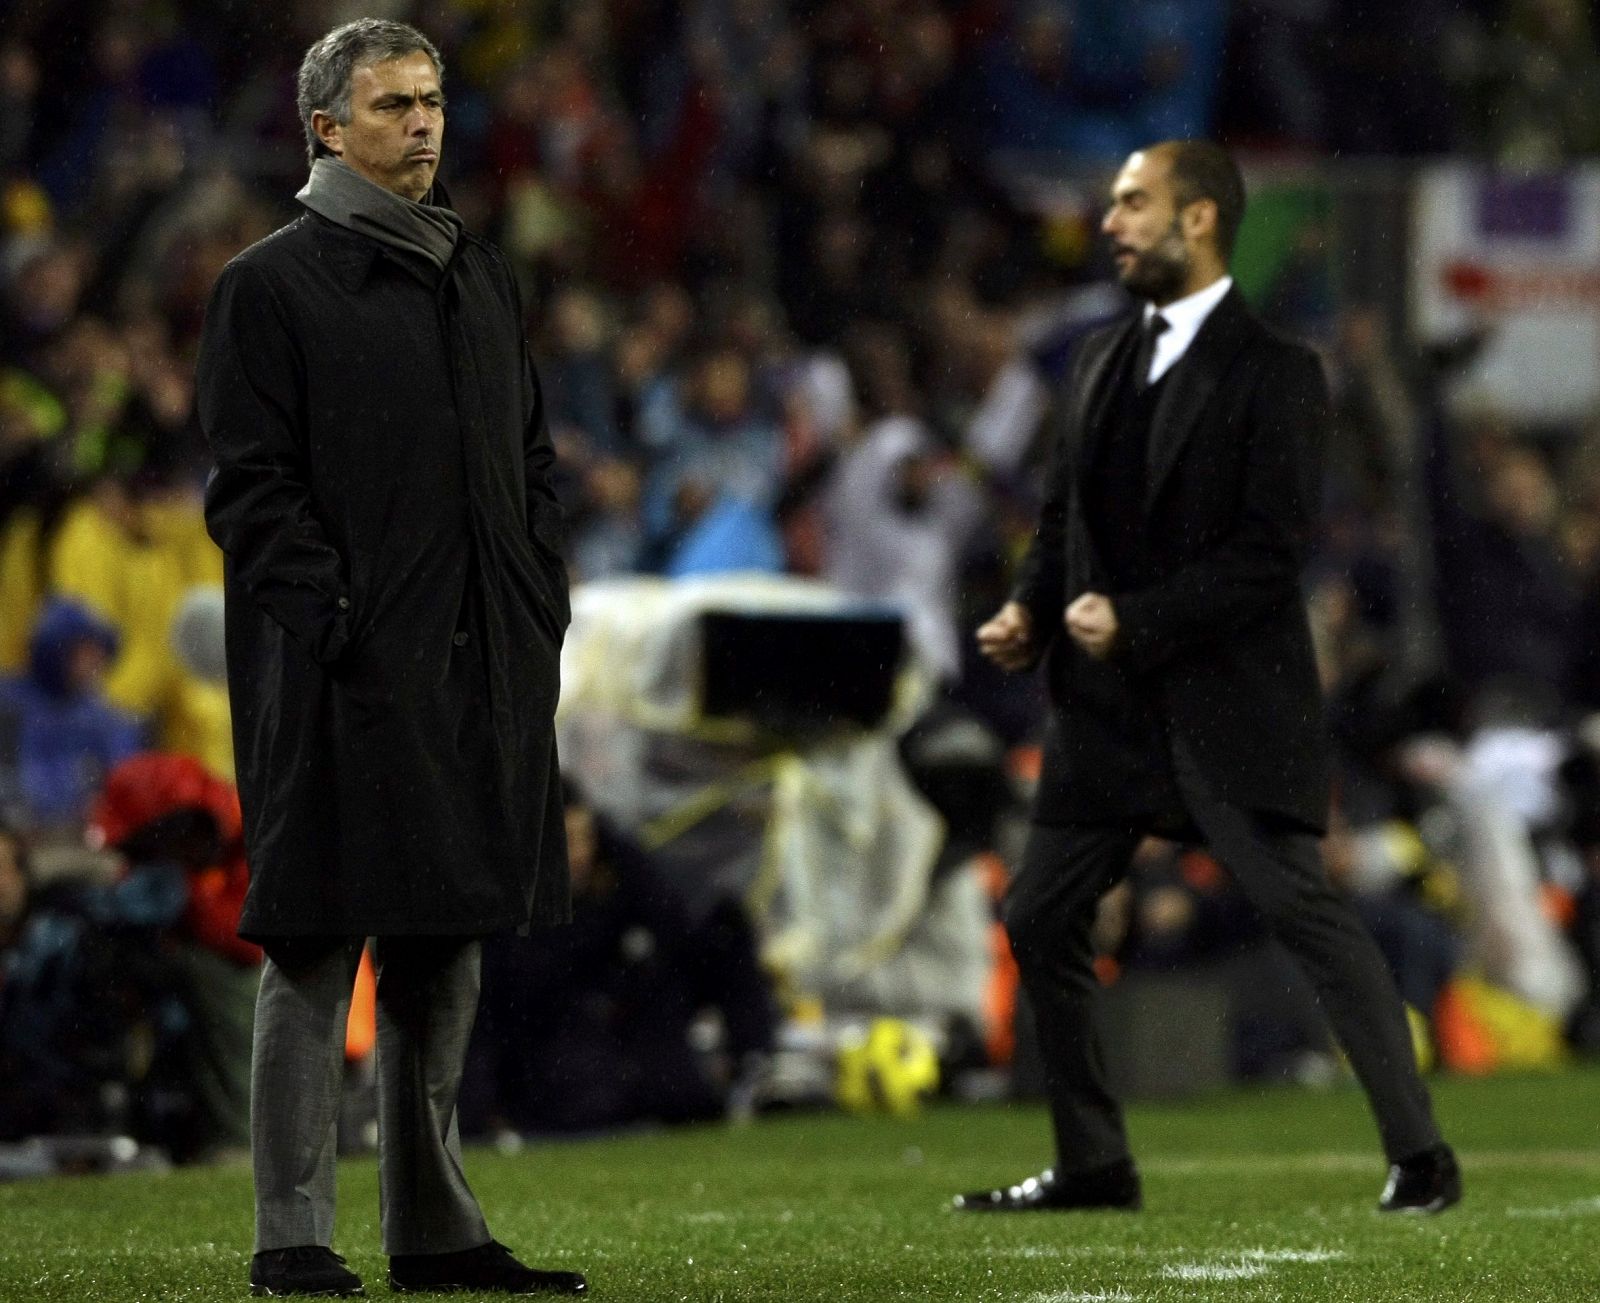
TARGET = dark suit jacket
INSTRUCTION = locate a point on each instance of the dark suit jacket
(1216, 648)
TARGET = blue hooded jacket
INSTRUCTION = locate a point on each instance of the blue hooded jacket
(57, 744)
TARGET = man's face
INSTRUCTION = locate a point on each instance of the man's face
(87, 664)
(396, 126)
(1146, 233)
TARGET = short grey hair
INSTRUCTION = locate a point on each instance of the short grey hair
(324, 81)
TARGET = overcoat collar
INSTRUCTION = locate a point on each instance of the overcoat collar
(1188, 388)
(352, 254)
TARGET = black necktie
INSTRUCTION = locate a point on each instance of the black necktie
(1151, 331)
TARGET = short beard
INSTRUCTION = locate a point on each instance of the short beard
(1161, 271)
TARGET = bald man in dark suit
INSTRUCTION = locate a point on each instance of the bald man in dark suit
(1162, 592)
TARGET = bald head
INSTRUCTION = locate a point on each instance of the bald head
(1203, 170)
(1174, 215)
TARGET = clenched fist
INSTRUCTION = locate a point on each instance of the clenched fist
(1092, 622)
(1007, 638)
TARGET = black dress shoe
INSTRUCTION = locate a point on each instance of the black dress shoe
(488, 1269)
(1114, 1186)
(1428, 1182)
(312, 1270)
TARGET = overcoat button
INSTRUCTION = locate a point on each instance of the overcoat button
(460, 640)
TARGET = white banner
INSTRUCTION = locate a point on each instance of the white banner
(1520, 255)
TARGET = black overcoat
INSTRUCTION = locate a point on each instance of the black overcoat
(1216, 648)
(396, 598)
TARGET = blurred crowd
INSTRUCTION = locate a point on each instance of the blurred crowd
(794, 311)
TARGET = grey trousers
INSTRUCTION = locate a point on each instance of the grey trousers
(1050, 908)
(427, 1000)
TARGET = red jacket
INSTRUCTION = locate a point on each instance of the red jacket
(149, 786)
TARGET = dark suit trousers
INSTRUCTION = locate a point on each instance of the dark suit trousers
(1050, 908)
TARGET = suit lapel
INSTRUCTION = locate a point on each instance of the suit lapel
(1191, 384)
(1094, 396)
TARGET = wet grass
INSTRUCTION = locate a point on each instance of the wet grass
(1251, 1196)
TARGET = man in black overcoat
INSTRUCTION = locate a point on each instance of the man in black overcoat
(396, 602)
(1162, 591)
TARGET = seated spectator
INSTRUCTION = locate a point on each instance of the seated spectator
(1094, 80)
(603, 529)
(161, 812)
(589, 1026)
(1508, 603)
(580, 393)
(58, 736)
(718, 467)
(1004, 431)
(1407, 898)
(1536, 75)
(899, 513)
(198, 722)
(131, 556)
(88, 1014)
(897, 509)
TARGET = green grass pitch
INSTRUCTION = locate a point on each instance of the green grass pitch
(1251, 1196)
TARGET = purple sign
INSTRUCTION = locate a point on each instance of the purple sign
(1527, 208)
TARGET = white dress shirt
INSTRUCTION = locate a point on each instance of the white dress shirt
(1184, 319)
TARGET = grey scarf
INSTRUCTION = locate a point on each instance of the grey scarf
(424, 235)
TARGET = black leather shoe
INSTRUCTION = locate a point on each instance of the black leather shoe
(308, 1269)
(1114, 1186)
(1428, 1182)
(488, 1269)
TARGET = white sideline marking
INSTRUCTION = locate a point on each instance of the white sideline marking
(1292, 1255)
(1214, 1271)
(1071, 1251)
(1343, 1161)
(706, 1217)
(1326, 1162)
(1248, 1265)
(1577, 1208)
(1072, 1296)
